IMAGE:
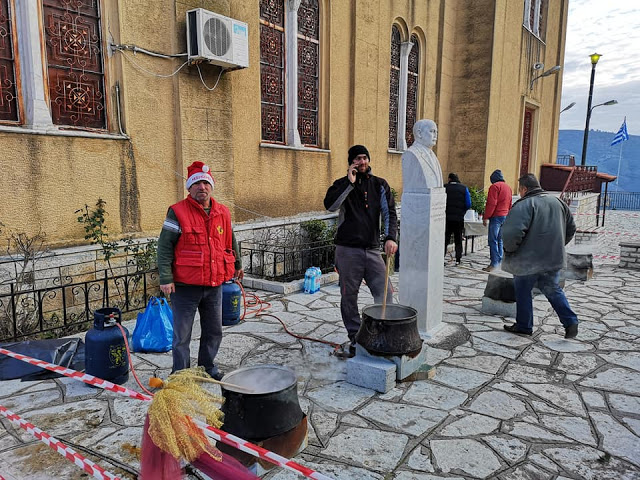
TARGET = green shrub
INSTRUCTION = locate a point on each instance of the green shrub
(478, 199)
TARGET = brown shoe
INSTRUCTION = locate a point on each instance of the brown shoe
(488, 269)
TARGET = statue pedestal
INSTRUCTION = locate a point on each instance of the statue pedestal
(422, 256)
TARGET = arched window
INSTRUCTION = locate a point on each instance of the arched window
(394, 87)
(534, 17)
(289, 80)
(272, 69)
(403, 89)
(8, 94)
(412, 88)
(308, 71)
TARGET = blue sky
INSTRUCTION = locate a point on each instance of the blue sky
(612, 29)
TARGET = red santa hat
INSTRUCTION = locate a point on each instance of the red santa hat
(198, 172)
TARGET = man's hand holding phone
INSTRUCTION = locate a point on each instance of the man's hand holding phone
(351, 172)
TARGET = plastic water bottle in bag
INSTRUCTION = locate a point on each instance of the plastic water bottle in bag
(308, 279)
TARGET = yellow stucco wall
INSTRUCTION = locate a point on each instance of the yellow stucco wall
(474, 75)
(354, 105)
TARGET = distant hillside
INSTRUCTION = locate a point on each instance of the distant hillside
(604, 156)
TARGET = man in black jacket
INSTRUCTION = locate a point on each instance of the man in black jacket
(458, 202)
(362, 199)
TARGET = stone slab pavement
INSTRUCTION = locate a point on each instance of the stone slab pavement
(500, 405)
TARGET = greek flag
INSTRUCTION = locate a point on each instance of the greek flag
(622, 134)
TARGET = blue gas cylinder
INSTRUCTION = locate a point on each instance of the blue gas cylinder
(231, 303)
(105, 351)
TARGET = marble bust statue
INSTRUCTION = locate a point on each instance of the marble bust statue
(421, 169)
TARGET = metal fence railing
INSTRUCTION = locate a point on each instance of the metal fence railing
(285, 263)
(63, 307)
(569, 160)
(622, 200)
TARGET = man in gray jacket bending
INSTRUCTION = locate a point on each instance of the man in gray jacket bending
(534, 234)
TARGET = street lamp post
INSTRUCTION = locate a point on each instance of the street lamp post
(594, 60)
(586, 132)
(571, 105)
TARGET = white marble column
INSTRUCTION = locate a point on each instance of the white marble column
(401, 141)
(36, 109)
(421, 256)
(291, 34)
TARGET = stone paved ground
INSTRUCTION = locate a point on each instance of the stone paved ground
(500, 406)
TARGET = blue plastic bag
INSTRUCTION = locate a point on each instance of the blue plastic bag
(154, 327)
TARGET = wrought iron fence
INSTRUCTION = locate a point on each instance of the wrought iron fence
(286, 262)
(623, 200)
(65, 307)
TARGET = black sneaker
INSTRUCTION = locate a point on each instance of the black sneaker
(457, 262)
(217, 375)
(514, 329)
(571, 331)
(346, 351)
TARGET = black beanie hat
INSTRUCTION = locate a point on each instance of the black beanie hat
(358, 150)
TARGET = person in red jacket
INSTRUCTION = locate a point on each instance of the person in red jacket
(495, 212)
(197, 253)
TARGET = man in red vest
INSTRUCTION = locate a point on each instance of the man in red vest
(197, 253)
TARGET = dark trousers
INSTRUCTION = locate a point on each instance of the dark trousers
(548, 283)
(456, 228)
(354, 265)
(184, 302)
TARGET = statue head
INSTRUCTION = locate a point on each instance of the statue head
(425, 132)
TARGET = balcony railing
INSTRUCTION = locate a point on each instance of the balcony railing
(582, 178)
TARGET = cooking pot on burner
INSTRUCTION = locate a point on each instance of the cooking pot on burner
(394, 334)
(269, 409)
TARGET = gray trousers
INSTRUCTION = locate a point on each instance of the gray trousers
(354, 265)
(184, 302)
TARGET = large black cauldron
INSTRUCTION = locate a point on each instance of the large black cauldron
(270, 409)
(395, 334)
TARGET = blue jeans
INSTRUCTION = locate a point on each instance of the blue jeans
(495, 240)
(184, 302)
(548, 283)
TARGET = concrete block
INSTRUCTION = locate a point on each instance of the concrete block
(405, 365)
(377, 374)
(425, 372)
(496, 307)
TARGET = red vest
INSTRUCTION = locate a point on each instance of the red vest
(204, 253)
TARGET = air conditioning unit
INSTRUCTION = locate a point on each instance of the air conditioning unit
(217, 39)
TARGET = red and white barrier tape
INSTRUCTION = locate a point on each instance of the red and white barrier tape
(616, 214)
(624, 234)
(257, 451)
(607, 257)
(84, 463)
(83, 377)
(213, 432)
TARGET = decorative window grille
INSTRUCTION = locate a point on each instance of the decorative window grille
(8, 76)
(272, 85)
(74, 62)
(394, 87)
(308, 71)
(412, 88)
